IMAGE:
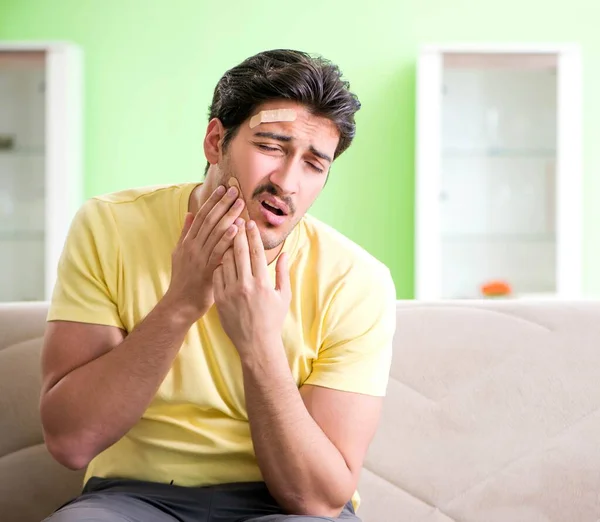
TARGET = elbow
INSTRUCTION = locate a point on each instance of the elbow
(328, 500)
(65, 446)
(66, 452)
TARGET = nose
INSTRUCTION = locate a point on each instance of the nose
(287, 176)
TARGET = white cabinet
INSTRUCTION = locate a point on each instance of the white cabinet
(40, 163)
(498, 188)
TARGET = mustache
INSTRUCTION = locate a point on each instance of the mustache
(271, 189)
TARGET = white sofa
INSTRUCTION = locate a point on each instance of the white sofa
(492, 415)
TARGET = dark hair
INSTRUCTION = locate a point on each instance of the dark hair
(286, 75)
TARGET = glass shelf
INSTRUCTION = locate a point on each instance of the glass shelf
(495, 237)
(23, 152)
(22, 235)
(509, 153)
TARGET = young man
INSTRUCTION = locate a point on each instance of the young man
(221, 356)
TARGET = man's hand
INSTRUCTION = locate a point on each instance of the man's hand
(251, 311)
(81, 414)
(203, 241)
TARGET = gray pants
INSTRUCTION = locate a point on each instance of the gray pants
(110, 500)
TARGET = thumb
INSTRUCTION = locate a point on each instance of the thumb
(187, 223)
(282, 276)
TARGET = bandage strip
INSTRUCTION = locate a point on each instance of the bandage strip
(272, 116)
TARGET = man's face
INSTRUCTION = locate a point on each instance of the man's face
(281, 168)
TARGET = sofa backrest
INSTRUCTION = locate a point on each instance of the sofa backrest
(32, 484)
(492, 414)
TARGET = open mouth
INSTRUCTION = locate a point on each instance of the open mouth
(274, 210)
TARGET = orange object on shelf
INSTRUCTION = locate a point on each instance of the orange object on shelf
(496, 289)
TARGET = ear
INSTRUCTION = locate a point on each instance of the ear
(215, 132)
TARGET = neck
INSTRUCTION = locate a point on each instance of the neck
(200, 195)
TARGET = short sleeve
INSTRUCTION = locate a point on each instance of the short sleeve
(359, 326)
(87, 275)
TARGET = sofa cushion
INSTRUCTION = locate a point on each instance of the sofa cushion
(20, 383)
(33, 485)
(21, 321)
(492, 413)
(383, 501)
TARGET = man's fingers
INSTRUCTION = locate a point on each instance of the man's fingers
(201, 215)
(216, 256)
(231, 206)
(258, 259)
(187, 223)
(282, 276)
(218, 283)
(216, 232)
(241, 253)
(229, 271)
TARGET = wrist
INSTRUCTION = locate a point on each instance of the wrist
(263, 351)
(178, 313)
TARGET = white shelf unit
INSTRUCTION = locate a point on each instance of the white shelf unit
(40, 162)
(499, 168)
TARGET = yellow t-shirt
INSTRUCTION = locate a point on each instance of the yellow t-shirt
(115, 267)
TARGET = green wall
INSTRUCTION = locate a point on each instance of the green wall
(151, 66)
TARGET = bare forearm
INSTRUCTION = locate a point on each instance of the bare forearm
(95, 405)
(302, 468)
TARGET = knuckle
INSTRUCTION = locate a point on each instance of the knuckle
(186, 244)
(245, 288)
(263, 285)
(209, 220)
(217, 237)
(218, 252)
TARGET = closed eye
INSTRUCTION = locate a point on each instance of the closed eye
(314, 167)
(267, 148)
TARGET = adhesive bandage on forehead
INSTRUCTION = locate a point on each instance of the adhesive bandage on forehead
(271, 116)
